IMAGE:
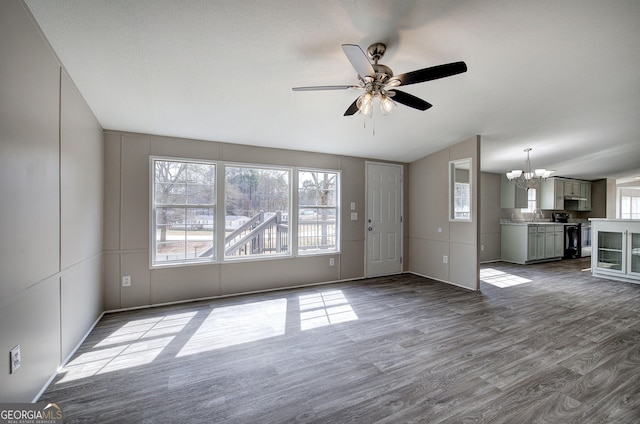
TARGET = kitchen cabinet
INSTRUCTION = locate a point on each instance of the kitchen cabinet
(552, 194)
(572, 188)
(512, 196)
(535, 243)
(556, 194)
(526, 243)
(585, 192)
(616, 249)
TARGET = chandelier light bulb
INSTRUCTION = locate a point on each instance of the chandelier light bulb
(528, 177)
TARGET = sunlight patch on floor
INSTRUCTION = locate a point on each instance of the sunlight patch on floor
(136, 343)
(324, 308)
(501, 279)
(237, 324)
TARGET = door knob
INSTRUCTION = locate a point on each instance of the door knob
(370, 228)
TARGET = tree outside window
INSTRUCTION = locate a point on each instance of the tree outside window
(317, 211)
(184, 196)
(256, 211)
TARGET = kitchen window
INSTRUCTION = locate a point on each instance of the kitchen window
(531, 201)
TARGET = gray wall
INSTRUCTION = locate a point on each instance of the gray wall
(490, 222)
(126, 226)
(51, 211)
(431, 234)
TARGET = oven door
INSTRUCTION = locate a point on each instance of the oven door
(572, 245)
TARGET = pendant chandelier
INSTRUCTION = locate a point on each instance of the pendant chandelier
(528, 177)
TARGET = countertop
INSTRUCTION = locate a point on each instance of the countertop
(537, 223)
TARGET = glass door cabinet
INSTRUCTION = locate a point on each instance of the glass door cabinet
(610, 251)
(634, 253)
(616, 249)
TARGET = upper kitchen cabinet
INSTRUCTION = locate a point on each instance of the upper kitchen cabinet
(552, 194)
(585, 193)
(512, 196)
(565, 194)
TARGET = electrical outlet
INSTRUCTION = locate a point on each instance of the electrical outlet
(332, 262)
(14, 359)
(482, 247)
(445, 259)
(126, 281)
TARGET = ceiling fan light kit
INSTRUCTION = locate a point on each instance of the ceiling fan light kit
(378, 81)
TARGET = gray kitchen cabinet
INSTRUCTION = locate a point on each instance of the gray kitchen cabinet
(512, 196)
(585, 192)
(535, 243)
(528, 243)
(554, 190)
(572, 188)
(552, 194)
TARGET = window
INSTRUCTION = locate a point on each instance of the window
(187, 226)
(531, 201)
(183, 211)
(630, 207)
(256, 211)
(461, 196)
(318, 212)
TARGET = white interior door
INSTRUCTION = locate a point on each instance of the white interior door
(384, 219)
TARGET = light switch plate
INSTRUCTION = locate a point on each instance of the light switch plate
(126, 281)
(354, 216)
(14, 359)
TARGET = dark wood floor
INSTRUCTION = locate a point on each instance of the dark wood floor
(554, 345)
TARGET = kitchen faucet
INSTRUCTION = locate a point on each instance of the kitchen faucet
(535, 214)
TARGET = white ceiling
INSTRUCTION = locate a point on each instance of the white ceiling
(562, 77)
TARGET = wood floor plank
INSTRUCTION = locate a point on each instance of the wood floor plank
(561, 348)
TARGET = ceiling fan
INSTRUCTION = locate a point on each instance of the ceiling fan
(377, 80)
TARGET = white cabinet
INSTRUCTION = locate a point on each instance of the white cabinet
(512, 196)
(525, 243)
(616, 249)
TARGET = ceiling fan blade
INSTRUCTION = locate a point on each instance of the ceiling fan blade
(324, 87)
(359, 60)
(409, 100)
(432, 73)
(352, 109)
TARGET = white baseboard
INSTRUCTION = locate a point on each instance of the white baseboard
(64, 362)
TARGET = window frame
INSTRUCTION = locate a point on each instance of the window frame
(337, 207)
(528, 209)
(633, 211)
(153, 206)
(219, 211)
(223, 192)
